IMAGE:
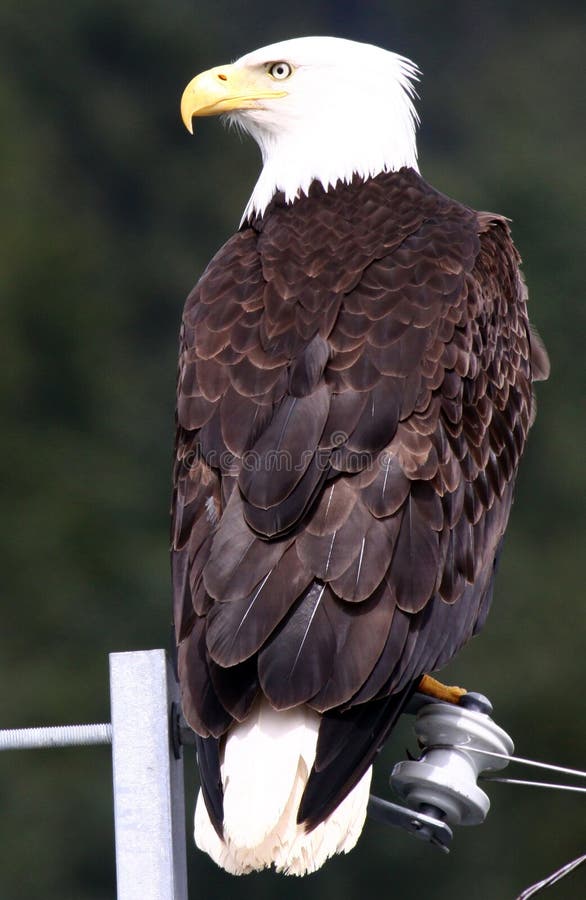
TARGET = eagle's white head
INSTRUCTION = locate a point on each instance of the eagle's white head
(320, 108)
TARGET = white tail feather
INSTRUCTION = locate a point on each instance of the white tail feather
(265, 768)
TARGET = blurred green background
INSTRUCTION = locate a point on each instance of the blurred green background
(108, 213)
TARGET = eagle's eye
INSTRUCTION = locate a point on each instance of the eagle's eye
(280, 71)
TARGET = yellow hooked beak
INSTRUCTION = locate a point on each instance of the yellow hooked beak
(226, 88)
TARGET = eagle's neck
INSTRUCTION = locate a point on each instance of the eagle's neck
(329, 148)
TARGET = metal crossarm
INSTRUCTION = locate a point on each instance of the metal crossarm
(147, 763)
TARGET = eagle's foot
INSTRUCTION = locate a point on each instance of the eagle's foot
(447, 693)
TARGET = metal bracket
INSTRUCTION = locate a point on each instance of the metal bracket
(417, 823)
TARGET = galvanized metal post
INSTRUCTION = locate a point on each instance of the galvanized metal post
(149, 806)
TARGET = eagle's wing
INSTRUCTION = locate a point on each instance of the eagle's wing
(354, 396)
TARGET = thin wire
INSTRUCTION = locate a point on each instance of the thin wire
(540, 784)
(551, 879)
(563, 770)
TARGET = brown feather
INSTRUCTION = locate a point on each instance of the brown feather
(297, 661)
(238, 628)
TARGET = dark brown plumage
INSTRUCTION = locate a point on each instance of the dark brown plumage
(354, 397)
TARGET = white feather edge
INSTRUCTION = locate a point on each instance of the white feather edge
(267, 760)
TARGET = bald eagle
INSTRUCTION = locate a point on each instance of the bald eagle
(354, 396)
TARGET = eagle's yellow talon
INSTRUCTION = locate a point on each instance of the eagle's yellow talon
(448, 693)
